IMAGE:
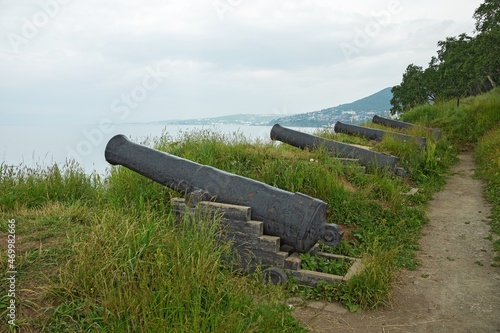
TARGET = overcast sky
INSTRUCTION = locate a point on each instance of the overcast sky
(71, 61)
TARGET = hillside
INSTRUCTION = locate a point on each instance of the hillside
(356, 112)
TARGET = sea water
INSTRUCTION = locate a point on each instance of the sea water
(45, 145)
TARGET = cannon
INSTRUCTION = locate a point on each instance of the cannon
(402, 125)
(370, 159)
(299, 220)
(376, 134)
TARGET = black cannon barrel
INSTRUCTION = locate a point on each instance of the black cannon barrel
(377, 134)
(299, 220)
(403, 125)
(364, 156)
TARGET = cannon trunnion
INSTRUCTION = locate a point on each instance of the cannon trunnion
(299, 220)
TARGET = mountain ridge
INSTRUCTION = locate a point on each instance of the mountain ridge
(356, 112)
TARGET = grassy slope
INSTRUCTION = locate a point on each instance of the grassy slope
(488, 157)
(105, 255)
(97, 255)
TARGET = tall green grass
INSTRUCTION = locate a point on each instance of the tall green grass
(34, 186)
(151, 273)
(108, 256)
(487, 155)
(464, 125)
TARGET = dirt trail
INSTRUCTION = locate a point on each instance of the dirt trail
(455, 289)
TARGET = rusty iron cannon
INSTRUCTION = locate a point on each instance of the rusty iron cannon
(377, 134)
(366, 157)
(403, 125)
(299, 220)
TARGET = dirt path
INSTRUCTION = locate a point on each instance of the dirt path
(454, 289)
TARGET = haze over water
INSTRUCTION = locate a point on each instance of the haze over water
(44, 145)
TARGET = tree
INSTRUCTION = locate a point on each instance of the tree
(431, 79)
(411, 92)
(487, 16)
(456, 66)
(464, 65)
(487, 66)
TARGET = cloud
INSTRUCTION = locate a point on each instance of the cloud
(262, 56)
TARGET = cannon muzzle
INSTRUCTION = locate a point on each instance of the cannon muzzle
(299, 220)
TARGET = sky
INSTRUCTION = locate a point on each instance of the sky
(93, 62)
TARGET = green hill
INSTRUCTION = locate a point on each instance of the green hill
(356, 112)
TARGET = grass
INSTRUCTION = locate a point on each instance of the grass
(464, 125)
(325, 265)
(117, 260)
(487, 155)
(108, 255)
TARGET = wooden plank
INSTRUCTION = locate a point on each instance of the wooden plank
(312, 278)
(254, 248)
(178, 206)
(293, 262)
(273, 259)
(333, 256)
(177, 201)
(253, 258)
(250, 228)
(345, 160)
(355, 268)
(232, 212)
(262, 243)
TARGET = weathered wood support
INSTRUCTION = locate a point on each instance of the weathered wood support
(254, 248)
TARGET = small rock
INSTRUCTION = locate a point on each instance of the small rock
(294, 302)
